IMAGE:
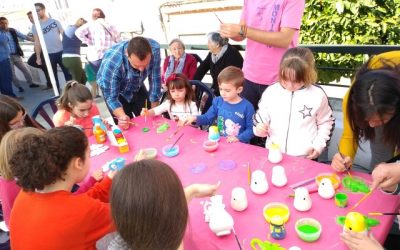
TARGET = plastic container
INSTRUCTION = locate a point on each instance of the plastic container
(170, 152)
(99, 134)
(210, 145)
(308, 229)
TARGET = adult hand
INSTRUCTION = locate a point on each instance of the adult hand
(231, 139)
(262, 129)
(358, 241)
(385, 176)
(123, 121)
(229, 30)
(313, 154)
(340, 164)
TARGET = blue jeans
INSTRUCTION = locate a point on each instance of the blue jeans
(6, 78)
(56, 58)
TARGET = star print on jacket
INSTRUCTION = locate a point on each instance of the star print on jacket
(306, 111)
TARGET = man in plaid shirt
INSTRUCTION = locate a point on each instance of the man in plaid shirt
(121, 77)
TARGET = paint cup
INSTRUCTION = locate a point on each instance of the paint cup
(308, 229)
(341, 200)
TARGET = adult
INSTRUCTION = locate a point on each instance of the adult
(52, 32)
(5, 67)
(99, 35)
(270, 27)
(380, 150)
(32, 59)
(221, 55)
(71, 57)
(179, 61)
(16, 54)
(122, 73)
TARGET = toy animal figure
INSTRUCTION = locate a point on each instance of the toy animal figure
(274, 153)
(220, 221)
(277, 227)
(264, 245)
(259, 183)
(356, 222)
(213, 133)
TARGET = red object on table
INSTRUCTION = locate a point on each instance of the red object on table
(249, 223)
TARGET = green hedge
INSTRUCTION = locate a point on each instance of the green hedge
(358, 22)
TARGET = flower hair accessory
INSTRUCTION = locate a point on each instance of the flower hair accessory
(172, 77)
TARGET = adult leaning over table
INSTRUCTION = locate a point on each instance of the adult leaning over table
(380, 147)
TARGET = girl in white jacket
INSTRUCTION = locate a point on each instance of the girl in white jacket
(294, 113)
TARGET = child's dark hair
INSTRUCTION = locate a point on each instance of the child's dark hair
(375, 92)
(73, 93)
(298, 65)
(232, 75)
(149, 206)
(9, 109)
(41, 160)
(179, 81)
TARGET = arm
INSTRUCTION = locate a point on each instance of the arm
(212, 113)
(85, 186)
(247, 134)
(346, 144)
(155, 74)
(262, 118)
(23, 36)
(101, 190)
(115, 34)
(164, 69)
(200, 190)
(203, 68)
(82, 33)
(38, 49)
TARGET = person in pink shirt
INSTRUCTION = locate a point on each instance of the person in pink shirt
(8, 187)
(271, 27)
(76, 108)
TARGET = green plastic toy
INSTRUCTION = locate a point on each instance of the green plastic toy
(356, 222)
(162, 128)
(355, 185)
(264, 245)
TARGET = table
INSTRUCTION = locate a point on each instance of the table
(249, 223)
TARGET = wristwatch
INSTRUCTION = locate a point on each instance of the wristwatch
(241, 32)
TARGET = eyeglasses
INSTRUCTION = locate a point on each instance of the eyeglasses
(20, 123)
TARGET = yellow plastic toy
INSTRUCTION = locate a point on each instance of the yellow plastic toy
(356, 222)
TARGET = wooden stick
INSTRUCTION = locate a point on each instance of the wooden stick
(237, 240)
(341, 155)
(361, 200)
(145, 114)
(175, 142)
(217, 17)
(302, 183)
(248, 173)
(377, 213)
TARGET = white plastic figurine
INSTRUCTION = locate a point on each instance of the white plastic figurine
(220, 221)
(213, 133)
(274, 153)
(302, 200)
(239, 199)
(326, 189)
(259, 183)
(278, 178)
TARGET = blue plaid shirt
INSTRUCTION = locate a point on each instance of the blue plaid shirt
(11, 43)
(117, 77)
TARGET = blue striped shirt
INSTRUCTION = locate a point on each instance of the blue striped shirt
(117, 77)
(11, 43)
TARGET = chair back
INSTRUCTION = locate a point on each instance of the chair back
(203, 95)
(44, 112)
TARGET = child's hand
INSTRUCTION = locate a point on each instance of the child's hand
(111, 174)
(189, 120)
(357, 241)
(262, 129)
(231, 139)
(98, 174)
(201, 190)
(144, 111)
(340, 164)
(181, 123)
(70, 122)
(313, 154)
(140, 155)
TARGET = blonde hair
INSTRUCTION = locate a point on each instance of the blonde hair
(298, 65)
(8, 147)
(232, 75)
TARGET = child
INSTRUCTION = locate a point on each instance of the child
(8, 187)
(294, 113)
(233, 113)
(179, 103)
(13, 115)
(76, 107)
(153, 217)
(46, 167)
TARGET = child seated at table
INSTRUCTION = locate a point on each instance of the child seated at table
(46, 215)
(13, 115)
(76, 107)
(149, 206)
(294, 113)
(232, 113)
(179, 103)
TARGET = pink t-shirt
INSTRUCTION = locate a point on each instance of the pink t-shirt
(8, 192)
(62, 116)
(261, 62)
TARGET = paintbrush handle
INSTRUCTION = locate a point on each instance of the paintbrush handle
(302, 183)
(361, 200)
(175, 142)
(377, 213)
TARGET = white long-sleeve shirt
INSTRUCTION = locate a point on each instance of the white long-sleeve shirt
(299, 121)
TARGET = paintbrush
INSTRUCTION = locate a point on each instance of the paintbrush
(237, 240)
(248, 173)
(132, 123)
(176, 131)
(361, 200)
(341, 155)
(302, 183)
(175, 142)
(378, 213)
(145, 114)
(217, 17)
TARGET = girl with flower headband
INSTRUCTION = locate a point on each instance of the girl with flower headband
(76, 107)
(179, 103)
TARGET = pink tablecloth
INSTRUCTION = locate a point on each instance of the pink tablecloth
(249, 223)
